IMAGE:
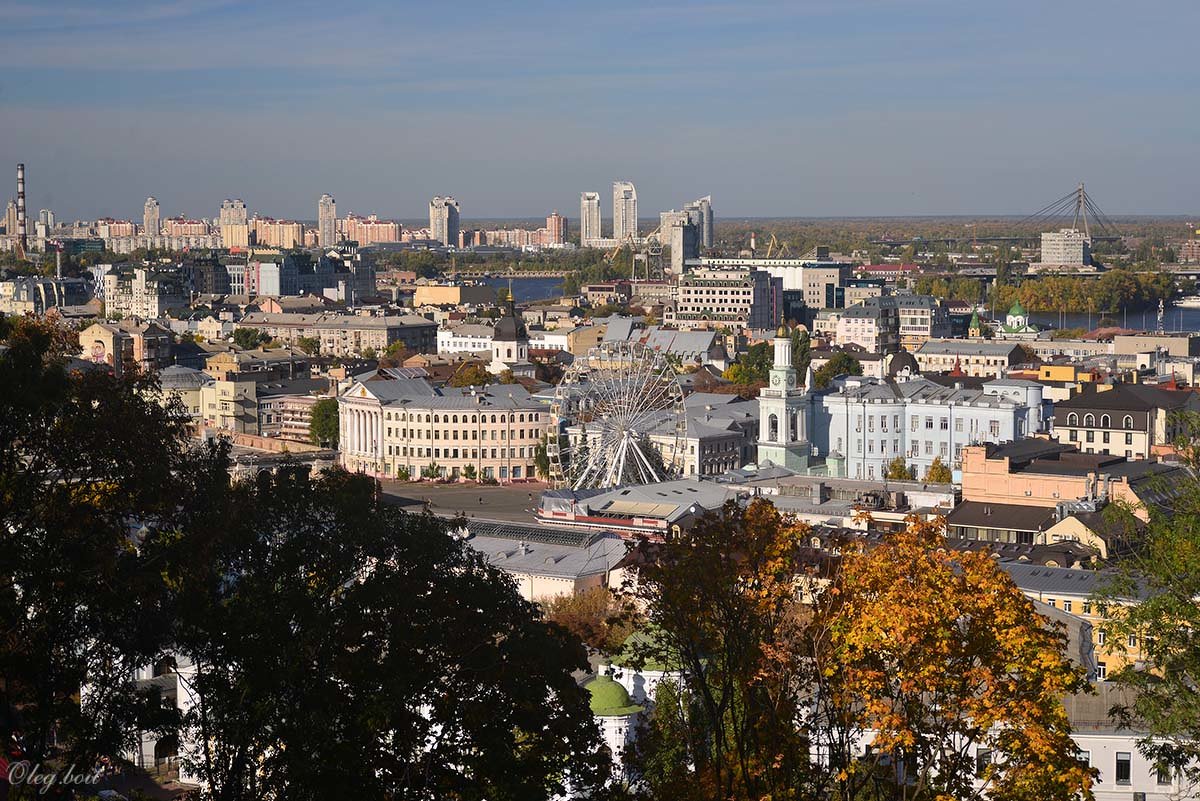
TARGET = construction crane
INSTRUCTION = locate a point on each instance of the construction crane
(777, 249)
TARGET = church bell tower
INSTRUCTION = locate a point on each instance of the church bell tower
(783, 412)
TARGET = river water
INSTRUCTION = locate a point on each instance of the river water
(1174, 319)
(527, 290)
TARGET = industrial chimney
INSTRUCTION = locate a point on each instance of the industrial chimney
(22, 233)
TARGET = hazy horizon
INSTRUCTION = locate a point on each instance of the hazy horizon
(859, 109)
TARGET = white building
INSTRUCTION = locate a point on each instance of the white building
(465, 338)
(625, 211)
(589, 218)
(1066, 247)
(327, 221)
(862, 425)
(783, 409)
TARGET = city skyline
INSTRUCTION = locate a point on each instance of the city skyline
(856, 109)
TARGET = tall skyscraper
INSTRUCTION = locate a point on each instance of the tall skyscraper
(625, 212)
(10, 218)
(443, 220)
(701, 213)
(556, 225)
(233, 212)
(151, 217)
(46, 219)
(327, 221)
(589, 218)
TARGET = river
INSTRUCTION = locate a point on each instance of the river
(1174, 319)
(528, 289)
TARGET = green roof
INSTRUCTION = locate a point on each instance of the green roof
(1017, 308)
(609, 699)
(975, 320)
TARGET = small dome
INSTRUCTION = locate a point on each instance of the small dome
(1017, 309)
(782, 332)
(609, 699)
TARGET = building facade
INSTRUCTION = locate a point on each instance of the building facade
(589, 218)
(625, 211)
(151, 217)
(723, 297)
(443, 220)
(347, 334)
(1127, 420)
(327, 221)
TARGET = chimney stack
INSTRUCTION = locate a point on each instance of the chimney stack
(22, 233)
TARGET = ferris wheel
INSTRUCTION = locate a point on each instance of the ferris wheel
(619, 418)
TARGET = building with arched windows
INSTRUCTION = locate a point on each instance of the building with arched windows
(1129, 420)
(405, 427)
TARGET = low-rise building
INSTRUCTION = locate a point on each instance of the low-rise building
(126, 343)
(974, 358)
(406, 428)
(348, 334)
(465, 338)
(1129, 420)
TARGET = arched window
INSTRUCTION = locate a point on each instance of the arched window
(435, 419)
(1072, 419)
(773, 428)
(1105, 421)
(1128, 421)
(1089, 421)
(493, 418)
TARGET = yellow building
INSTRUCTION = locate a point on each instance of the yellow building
(453, 295)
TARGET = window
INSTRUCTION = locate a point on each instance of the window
(1067, 606)
(1162, 774)
(1072, 419)
(983, 758)
(1104, 437)
(1124, 772)
(1089, 421)
(1073, 435)
(929, 423)
(958, 425)
(1090, 436)
(1129, 439)
(1105, 421)
(1127, 422)
(1087, 607)
(1101, 636)
(1085, 758)
(1101, 671)
(994, 428)
(1132, 641)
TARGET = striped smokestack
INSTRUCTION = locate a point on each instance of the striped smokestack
(22, 232)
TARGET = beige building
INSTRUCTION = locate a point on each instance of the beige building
(971, 357)
(125, 344)
(347, 334)
(230, 404)
(453, 295)
(1127, 420)
(394, 428)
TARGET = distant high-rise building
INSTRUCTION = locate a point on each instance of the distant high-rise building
(443, 220)
(46, 219)
(1067, 246)
(327, 221)
(556, 228)
(10, 218)
(151, 217)
(701, 213)
(625, 219)
(233, 212)
(678, 232)
(589, 218)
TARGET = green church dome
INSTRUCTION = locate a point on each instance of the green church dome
(609, 699)
(1017, 310)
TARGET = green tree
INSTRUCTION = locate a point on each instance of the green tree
(323, 426)
(801, 350)
(297, 607)
(898, 470)
(368, 353)
(841, 363)
(96, 470)
(541, 458)
(753, 366)
(310, 345)
(938, 472)
(1154, 598)
(249, 338)
(469, 472)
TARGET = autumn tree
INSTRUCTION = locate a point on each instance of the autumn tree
(938, 472)
(471, 374)
(722, 599)
(310, 345)
(898, 470)
(931, 655)
(596, 616)
(249, 338)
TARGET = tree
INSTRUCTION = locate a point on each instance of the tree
(323, 426)
(541, 458)
(898, 470)
(507, 377)
(469, 472)
(96, 469)
(1163, 571)
(471, 374)
(801, 350)
(310, 345)
(249, 338)
(394, 355)
(841, 363)
(596, 616)
(368, 353)
(722, 599)
(939, 654)
(938, 472)
(297, 606)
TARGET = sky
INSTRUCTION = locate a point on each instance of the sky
(838, 108)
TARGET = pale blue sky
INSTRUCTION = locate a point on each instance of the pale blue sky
(845, 107)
